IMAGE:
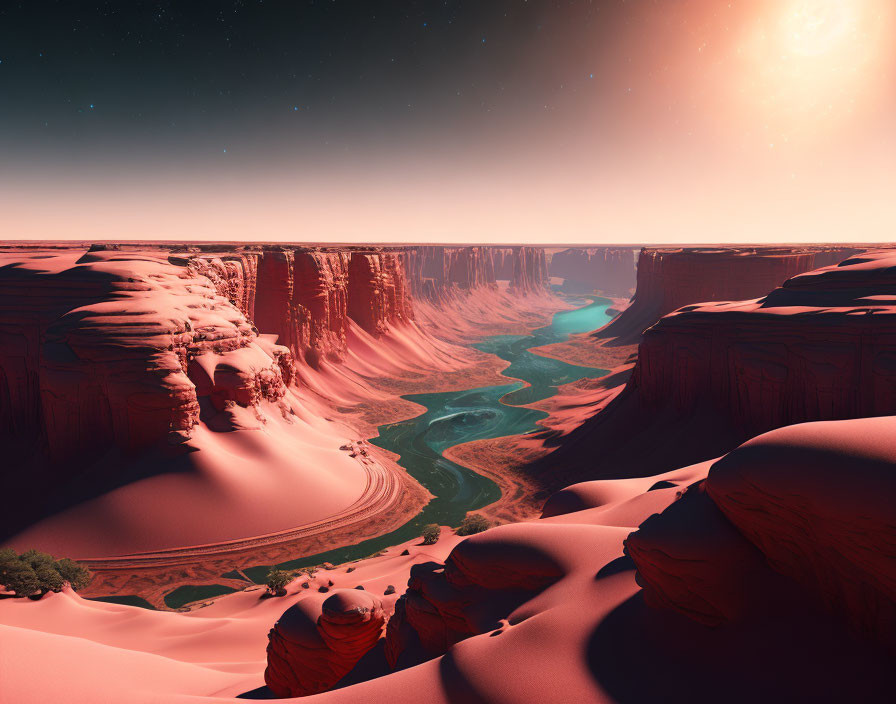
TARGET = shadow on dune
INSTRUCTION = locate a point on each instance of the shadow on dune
(639, 654)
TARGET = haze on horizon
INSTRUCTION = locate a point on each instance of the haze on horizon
(696, 121)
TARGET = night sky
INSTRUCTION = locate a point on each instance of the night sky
(465, 120)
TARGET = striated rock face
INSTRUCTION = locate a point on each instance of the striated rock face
(233, 275)
(306, 297)
(812, 502)
(103, 351)
(302, 298)
(314, 645)
(668, 279)
(378, 294)
(610, 270)
(818, 348)
(438, 273)
(709, 376)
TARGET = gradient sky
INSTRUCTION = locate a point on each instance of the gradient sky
(642, 121)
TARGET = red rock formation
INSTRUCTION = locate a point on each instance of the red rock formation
(102, 351)
(691, 559)
(233, 275)
(712, 375)
(438, 273)
(819, 501)
(812, 502)
(314, 645)
(377, 291)
(483, 580)
(671, 278)
(609, 270)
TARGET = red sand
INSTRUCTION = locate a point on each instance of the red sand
(540, 611)
(764, 575)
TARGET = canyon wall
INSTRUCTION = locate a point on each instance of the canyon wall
(103, 352)
(712, 375)
(668, 279)
(437, 273)
(608, 270)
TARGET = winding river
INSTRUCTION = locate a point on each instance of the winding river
(456, 417)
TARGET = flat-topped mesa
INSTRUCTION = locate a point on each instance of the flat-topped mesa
(668, 279)
(608, 270)
(818, 348)
(108, 351)
(712, 375)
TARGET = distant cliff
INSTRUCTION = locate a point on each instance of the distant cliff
(608, 270)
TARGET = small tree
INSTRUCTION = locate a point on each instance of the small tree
(76, 574)
(277, 581)
(431, 534)
(473, 523)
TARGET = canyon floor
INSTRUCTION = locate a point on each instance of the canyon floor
(693, 500)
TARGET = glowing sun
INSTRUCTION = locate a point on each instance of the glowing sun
(816, 27)
(809, 63)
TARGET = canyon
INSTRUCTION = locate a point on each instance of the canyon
(700, 489)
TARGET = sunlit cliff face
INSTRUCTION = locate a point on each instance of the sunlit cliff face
(807, 66)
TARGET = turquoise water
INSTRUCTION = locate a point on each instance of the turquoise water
(456, 417)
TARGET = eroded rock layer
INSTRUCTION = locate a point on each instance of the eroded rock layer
(316, 643)
(668, 279)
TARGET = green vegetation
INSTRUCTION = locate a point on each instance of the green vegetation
(35, 573)
(278, 579)
(473, 523)
(431, 533)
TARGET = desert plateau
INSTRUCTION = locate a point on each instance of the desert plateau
(518, 352)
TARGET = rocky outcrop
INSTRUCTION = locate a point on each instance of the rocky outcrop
(818, 348)
(302, 297)
(314, 645)
(233, 275)
(818, 501)
(812, 503)
(104, 351)
(483, 580)
(377, 291)
(608, 270)
(668, 279)
(709, 376)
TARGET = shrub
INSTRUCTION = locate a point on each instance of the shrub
(76, 574)
(431, 534)
(473, 523)
(35, 573)
(278, 579)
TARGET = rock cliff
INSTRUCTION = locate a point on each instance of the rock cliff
(711, 375)
(608, 270)
(668, 279)
(438, 273)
